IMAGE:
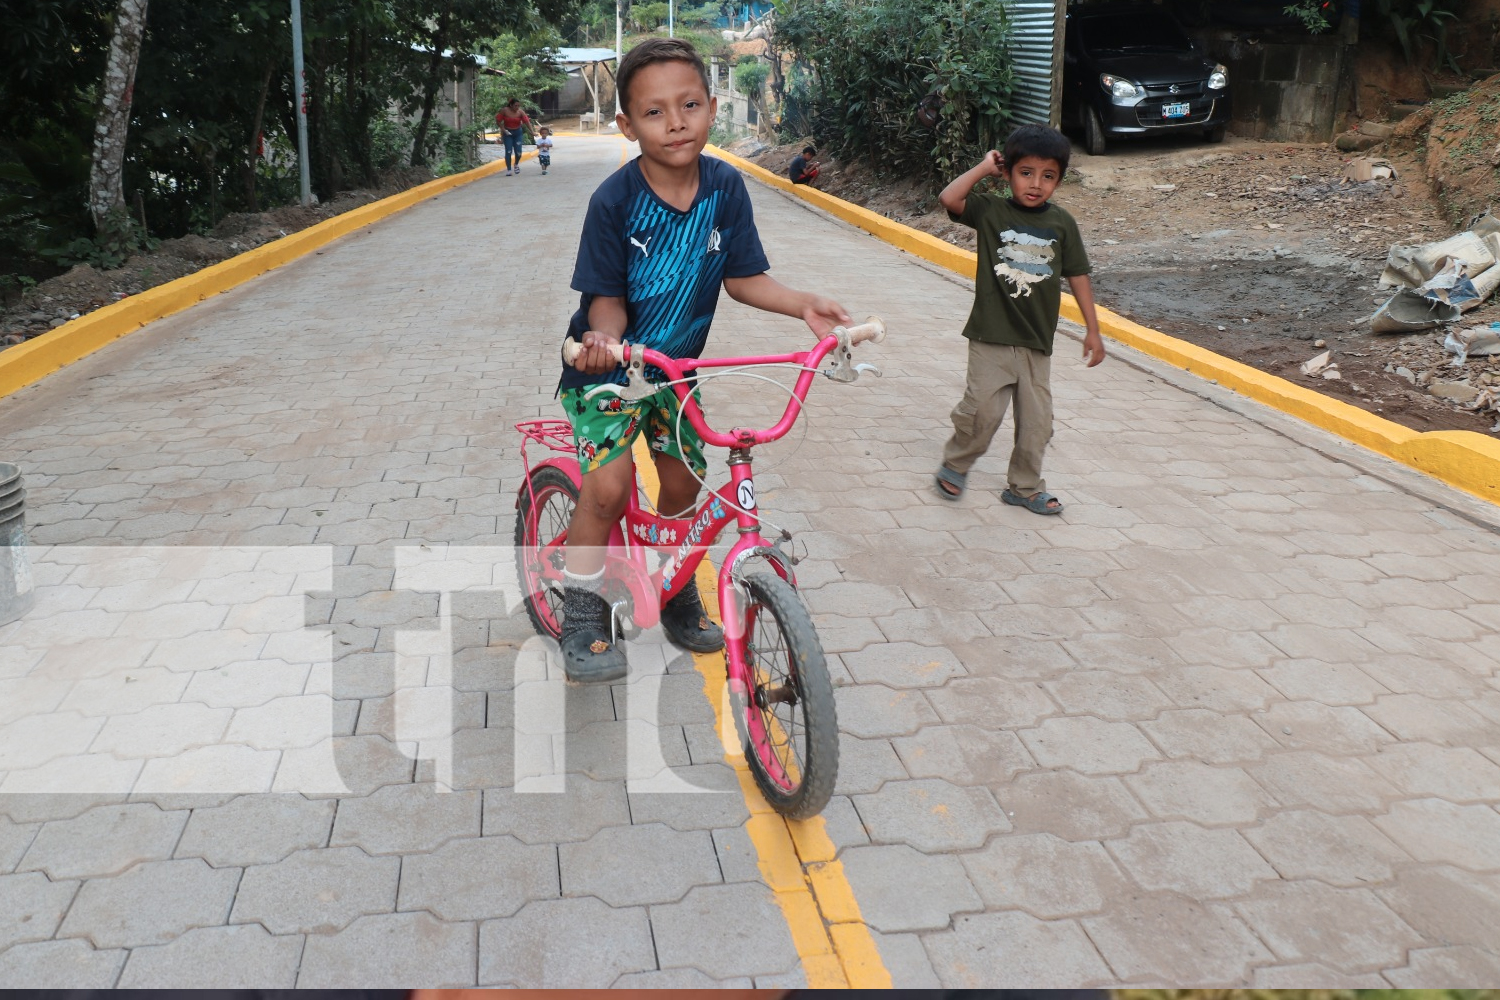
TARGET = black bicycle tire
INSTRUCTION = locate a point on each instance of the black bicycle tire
(538, 483)
(815, 690)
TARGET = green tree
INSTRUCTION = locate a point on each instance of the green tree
(213, 88)
(590, 22)
(871, 65)
(107, 167)
(706, 14)
(52, 55)
(526, 66)
(649, 16)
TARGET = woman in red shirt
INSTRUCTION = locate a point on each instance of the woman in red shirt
(511, 120)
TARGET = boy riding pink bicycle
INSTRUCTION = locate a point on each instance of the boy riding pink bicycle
(781, 691)
(661, 236)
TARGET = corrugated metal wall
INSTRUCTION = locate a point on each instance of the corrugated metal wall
(1034, 25)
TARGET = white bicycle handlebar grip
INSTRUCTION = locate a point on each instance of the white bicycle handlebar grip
(572, 348)
(872, 329)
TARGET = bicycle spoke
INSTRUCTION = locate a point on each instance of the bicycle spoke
(776, 698)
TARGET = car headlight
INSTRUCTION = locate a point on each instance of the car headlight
(1218, 80)
(1120, 89)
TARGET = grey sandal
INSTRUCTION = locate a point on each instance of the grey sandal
(958, 480)
(1037, 503)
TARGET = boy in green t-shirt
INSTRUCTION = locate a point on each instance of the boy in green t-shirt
(1027, 245)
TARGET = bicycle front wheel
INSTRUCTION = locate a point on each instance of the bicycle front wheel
(543, 512)
(787, 717)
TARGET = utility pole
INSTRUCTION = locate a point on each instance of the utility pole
(301, 82)
(618, 22)
(671, 28)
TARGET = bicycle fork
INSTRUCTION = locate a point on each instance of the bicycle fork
(740, 665)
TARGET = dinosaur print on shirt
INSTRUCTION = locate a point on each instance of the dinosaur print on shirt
(1024, 260)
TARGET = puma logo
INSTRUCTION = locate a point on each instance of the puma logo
(644, 251)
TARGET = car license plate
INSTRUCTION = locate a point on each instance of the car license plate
(1176, 110)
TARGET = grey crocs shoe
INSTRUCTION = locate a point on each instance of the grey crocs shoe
(687, 624)
(589, 656)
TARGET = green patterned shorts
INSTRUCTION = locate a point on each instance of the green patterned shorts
(605, 427)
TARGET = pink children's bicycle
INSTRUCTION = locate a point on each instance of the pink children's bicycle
(780, 690)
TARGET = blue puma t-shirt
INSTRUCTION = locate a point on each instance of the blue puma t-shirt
(668, 264)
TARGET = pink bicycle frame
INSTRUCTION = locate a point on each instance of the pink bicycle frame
(686, 540)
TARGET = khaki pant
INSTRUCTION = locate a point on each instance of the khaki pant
(999, 373)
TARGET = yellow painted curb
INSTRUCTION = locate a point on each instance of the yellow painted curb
(39, 357)
(1465, 459)
(796, 857)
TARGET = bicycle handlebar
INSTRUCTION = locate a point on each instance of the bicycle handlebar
(872, 329)
(678, 370)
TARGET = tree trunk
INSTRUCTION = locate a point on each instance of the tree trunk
(106, 172)
(256, 126)
(430, 87)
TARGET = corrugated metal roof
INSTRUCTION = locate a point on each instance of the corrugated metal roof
(1033, 25)
(575, 57)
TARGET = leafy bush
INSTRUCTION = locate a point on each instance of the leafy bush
(1311, 14)
(390, 142)
(120, 237)
(451, 150)
(874, 63)
(750, 77)
(649, 16)
(1429, 19)
(707, 14)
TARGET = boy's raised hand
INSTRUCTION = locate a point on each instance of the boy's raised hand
(993, 163)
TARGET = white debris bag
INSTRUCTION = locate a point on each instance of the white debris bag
(1316, 364)
(1476, 341)
(1367, 168)
(1438, 282)
(1413, 267)
(1406, 312)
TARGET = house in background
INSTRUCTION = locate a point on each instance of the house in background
(590, 89)
(454, 103)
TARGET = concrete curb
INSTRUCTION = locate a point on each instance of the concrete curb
(1465, 459)
(39, 357)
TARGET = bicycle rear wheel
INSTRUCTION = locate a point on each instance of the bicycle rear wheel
(546, 506)
(787, 718)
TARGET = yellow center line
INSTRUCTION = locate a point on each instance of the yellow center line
(797, 858)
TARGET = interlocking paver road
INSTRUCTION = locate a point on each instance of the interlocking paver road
(1234, 718)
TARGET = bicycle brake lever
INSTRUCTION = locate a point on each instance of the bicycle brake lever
(863, 367)
(839, 367)
(636, 386)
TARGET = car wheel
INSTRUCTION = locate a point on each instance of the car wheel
(1215, 134)
(1093, 132)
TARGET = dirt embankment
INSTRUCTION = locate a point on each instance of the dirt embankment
(83, 289)
(1257, 251)
(1457, 142)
